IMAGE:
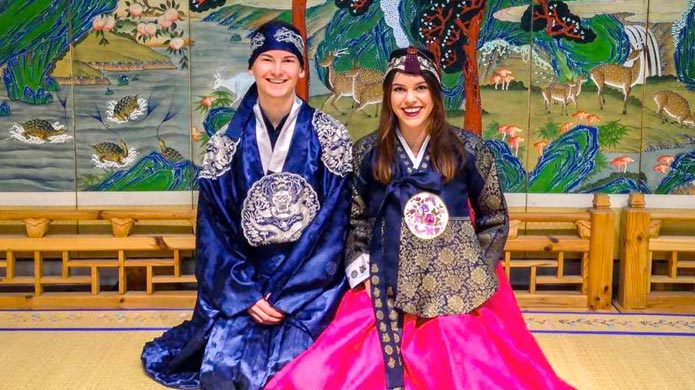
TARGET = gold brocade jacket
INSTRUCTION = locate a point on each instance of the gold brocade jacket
(453, 273)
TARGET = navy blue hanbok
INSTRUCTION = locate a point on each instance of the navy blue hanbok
(271, 222)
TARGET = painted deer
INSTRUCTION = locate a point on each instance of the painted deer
(368, 95)
(367, 88)
(676, 106)
(237, 84)
(340, 83)
(563, 93)
(618, 76)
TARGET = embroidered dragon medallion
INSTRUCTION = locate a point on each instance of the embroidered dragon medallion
(218, 157)
(426, 215)
(336, 145)
(278, 208)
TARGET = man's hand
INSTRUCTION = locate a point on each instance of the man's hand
(263, 313)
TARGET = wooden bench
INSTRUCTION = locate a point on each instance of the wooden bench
(161, 255)
(120, 249)
(656, 268)
(590, 247)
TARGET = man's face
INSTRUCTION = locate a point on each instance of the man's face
(276, 73)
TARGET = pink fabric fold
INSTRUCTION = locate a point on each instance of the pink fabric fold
(490, 348)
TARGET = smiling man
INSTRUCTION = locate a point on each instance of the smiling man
(272, 218)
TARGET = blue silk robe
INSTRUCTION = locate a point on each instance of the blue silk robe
(269, 223)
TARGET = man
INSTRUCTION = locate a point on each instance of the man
(272, 216)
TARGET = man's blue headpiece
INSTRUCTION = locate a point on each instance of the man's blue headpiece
(276, 35)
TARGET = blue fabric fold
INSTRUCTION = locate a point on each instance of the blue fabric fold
(221, 347)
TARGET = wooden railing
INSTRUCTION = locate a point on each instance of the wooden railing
(81, 258)
(78, 259)
(590, 248)
(657, 271)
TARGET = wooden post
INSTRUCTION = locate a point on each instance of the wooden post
(38, 273)
(122, 278)
(95, 280)
(9, 271)
(64, 265)
(634, 255)
(299, 21)
(601, 253)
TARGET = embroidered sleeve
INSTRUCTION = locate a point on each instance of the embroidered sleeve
(487, 199)
(218, 156)
(359, 234)
(336, 145)
(360, 230)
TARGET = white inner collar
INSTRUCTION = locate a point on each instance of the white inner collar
(416, 160)
(273, 159)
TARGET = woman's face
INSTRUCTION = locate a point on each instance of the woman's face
(411, 101)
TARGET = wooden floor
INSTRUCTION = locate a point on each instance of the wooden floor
(90, 349)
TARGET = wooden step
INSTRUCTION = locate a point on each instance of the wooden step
(95, 242)
(672, 244)
(174, 279)
(105, 299)
(548, 244)
(149, 262)
(544, 279)
(18, 280)
(543, 299)
(677, 279)
(88, 263)
(70, 280)
(533, 263)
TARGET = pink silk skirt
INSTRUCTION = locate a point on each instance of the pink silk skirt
(489, 348)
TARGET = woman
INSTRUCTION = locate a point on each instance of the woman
(430, 306)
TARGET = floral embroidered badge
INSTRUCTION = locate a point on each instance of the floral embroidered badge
(426, 215)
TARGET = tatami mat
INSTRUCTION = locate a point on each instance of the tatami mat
(80, 350)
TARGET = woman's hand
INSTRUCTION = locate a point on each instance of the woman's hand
(265, 314)
(368, 286)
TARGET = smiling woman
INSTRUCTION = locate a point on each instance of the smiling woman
(411, 101)
(430, 305)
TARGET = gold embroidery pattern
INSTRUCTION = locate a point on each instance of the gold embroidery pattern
(493, 221)
(360, 230)
(455, 279)
(361, 227)
(390, 338)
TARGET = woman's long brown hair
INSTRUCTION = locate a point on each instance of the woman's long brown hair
(445, 148)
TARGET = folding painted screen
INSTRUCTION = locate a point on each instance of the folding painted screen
(106, 102)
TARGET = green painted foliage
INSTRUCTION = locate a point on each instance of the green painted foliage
(610, 134)
(566, 162)
(572, 58)
(152, 173)
(682, 174)
(685, 50)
